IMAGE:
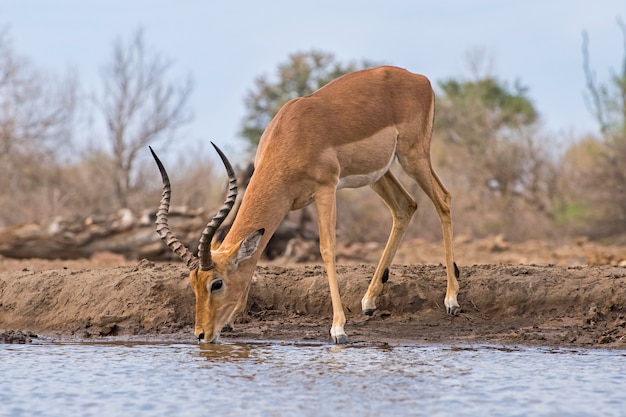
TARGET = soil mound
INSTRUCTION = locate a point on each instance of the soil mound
(545, 305)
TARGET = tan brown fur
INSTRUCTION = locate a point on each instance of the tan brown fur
(345, 134)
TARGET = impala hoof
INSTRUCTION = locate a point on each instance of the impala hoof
(369, 311)
(454, 310)
(338, 335)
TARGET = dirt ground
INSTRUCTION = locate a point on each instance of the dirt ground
(570, 295)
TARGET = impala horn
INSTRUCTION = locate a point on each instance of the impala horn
(204, 247)
(168, 237)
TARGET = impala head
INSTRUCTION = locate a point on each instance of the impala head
(213, 272)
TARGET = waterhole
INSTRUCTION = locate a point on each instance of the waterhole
(296, 379)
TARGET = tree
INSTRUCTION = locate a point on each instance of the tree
(493, 124)
(605, 177)
(491, 130)
(36, 114)
(139, 106)
(35, 109)
(300, 75)
(607, 102)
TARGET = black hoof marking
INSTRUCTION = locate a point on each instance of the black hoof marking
(456, 271)
(341, 340)
(369, 311)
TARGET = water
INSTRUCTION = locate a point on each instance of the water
(274, 379)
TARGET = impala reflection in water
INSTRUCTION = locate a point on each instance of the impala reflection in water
(274, 379)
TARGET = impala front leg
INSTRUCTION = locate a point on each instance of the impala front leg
(327, 220)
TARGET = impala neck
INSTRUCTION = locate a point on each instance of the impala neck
(264, 206)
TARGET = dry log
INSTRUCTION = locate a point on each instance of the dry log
(80, 237)
(123, 232)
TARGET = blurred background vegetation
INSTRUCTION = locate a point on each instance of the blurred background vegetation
(507, 174)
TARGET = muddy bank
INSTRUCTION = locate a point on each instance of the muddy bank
(545, 305)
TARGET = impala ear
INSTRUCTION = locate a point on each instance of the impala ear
(248, 246)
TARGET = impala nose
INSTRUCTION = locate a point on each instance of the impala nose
(200, 337)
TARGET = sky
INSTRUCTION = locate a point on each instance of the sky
(225, 45)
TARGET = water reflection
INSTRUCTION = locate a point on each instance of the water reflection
(224, 352)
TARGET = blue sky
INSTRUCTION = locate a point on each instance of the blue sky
(225, 45)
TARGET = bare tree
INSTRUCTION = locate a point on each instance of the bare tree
(607, 102)
(36, 112)
(605, 178)
(35, 109)
(139, 106)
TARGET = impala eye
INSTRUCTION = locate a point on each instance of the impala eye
(216, 285)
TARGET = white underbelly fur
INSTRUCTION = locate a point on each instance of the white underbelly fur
(361, 180)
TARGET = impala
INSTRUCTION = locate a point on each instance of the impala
(345, 135)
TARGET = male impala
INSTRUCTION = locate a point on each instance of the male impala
(345, 135)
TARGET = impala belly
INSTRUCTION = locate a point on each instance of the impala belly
(358, 169)
(361, 180)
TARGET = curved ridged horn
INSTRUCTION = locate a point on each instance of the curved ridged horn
(162, 226)
(204, 247)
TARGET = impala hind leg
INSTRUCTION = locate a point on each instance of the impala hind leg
(326, 203)
(402, 208)
(421, 170)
